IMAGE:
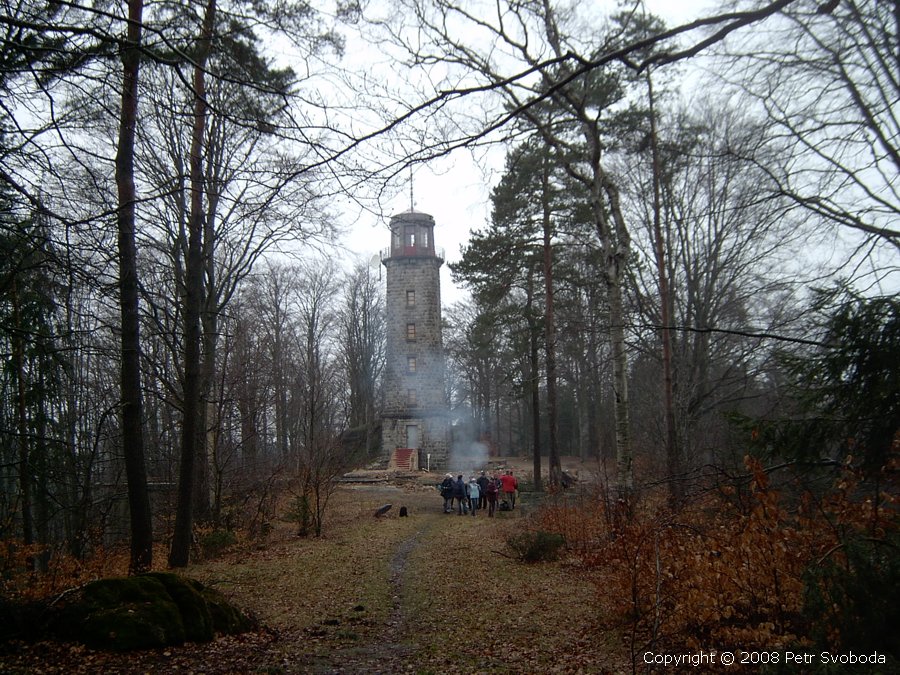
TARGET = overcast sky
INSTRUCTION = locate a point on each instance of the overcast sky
(456, 189)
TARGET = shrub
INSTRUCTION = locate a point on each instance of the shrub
(853, 597)
(536, 546)
(213, 543)
(747, 564)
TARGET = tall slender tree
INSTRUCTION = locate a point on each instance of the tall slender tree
(362, 330)
(192, 434)
(132, 402)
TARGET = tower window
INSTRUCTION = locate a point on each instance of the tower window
(410, 298)
(424, 237)
(410, 331)
(411, 398)
(411, 364)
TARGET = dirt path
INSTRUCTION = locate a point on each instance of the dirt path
(385, 649)
(455, 603)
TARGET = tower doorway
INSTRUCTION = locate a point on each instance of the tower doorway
(412, 435)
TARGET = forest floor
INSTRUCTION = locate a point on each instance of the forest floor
(428, 593)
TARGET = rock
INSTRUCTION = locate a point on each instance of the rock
(147, 610)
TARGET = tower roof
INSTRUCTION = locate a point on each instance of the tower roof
(412, 215)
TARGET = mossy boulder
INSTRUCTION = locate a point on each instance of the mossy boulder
(226, 618)
(148, 610)
(187, 594)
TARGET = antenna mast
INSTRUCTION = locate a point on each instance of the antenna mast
(412, 203)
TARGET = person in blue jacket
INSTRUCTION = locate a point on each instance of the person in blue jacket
(474, 495)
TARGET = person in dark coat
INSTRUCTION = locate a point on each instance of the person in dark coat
(447, 492)
(483, 481)
(492, 492)
(461, 495)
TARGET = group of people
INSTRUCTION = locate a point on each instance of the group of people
(479, 493)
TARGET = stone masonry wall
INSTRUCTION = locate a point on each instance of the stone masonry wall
(414, 382)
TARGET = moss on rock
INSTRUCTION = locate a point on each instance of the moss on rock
(226, 618)
(187, 594)
(121, 614)
(148, 610)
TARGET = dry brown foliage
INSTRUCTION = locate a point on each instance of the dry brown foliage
(726, 570)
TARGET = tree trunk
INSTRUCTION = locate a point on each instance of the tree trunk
(673, 461)
(249, 442)
(584, 406)
(550, 329)
(204, 492)
(203, 469)
(617, 246)
(132, 403)
(179, 554)
(279, 368)
(25, 471)
(534, 384)
(40, 463)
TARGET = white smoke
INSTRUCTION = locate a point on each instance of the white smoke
(468, 457)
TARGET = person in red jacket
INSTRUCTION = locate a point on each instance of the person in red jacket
(508, 486)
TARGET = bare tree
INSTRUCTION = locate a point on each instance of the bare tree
(66, 131)
(475, 340)
(179, 553)
(315, 404)
(248, 382)
(132, 404)
(660, 248)
(730, 253)
(362, 345)
(572, 111)
(826, 78)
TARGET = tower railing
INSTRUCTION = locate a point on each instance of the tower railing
(413, 252)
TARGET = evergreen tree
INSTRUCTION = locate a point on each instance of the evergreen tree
(845, 389)
(31, 375)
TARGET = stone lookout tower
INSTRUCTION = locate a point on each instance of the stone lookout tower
(415, 423)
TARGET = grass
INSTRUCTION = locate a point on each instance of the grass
(301, 583)
(466, 604)
(481, 609)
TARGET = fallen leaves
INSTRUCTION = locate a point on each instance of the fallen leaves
(419, 594)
